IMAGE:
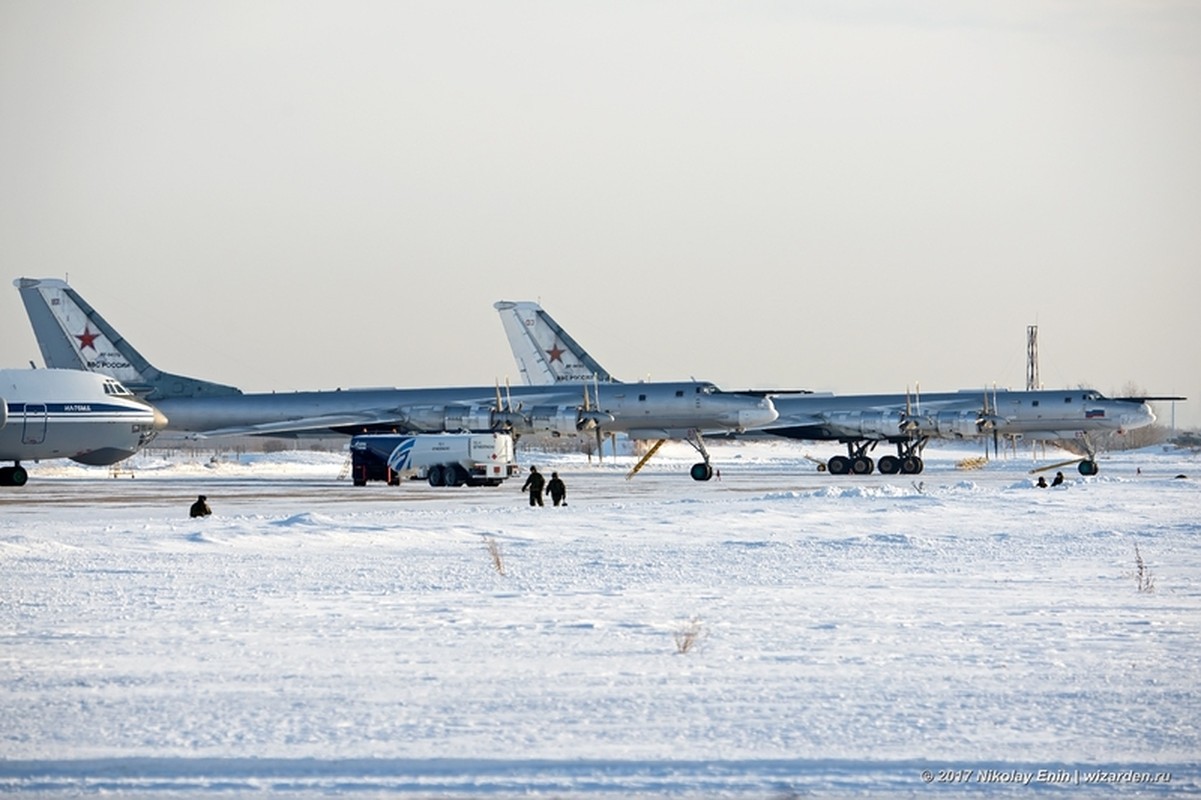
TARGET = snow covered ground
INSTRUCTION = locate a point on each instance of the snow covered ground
(777, 632)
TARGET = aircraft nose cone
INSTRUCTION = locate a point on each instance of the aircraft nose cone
(158, 422)
(1139, 417)
(761, 412)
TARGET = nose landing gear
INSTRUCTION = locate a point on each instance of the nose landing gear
(13, 476)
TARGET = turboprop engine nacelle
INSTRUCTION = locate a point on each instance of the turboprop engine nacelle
(957, 424)
(868, 423)
(468, 418)
(556, 420)
(514, 420)
(593, 419)
(449, 418)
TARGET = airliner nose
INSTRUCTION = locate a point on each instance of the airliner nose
(159, 420)
(146, 434)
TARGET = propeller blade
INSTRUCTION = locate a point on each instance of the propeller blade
(501, 422)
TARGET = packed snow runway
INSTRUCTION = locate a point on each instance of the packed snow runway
(774, 632)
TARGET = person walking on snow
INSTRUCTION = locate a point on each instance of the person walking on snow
(557, 489)
(533, 484)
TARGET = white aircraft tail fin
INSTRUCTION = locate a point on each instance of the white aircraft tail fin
(545, 353)
(72, 335)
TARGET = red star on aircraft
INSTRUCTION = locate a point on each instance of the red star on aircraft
(555, 353)
(86, 338)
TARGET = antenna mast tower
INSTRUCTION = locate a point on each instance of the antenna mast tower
(1032, 379)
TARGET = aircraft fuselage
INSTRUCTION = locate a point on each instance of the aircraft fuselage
(551, 409)
(1043, 414)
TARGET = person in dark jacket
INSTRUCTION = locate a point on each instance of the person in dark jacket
(534, 484)
(556, 489)
(1058, 479)
(200, 508)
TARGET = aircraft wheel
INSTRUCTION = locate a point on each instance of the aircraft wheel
(839, 465)
(6, 476)
(453, 475)
(911, 465)
(435, 476)
(889, 465)
(701, 471)
(862, 465)
(1088, 467)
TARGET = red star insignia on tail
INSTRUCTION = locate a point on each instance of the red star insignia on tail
(86, 338)
(555, 353)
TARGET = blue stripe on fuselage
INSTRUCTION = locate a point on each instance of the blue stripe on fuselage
(74, 409)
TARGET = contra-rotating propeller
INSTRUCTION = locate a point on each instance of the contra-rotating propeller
(504, 419)
(911, 419)
(989, 420)
(595, 418)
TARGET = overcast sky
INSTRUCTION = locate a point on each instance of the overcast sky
(845, 196)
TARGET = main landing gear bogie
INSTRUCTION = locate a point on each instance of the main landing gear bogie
(863, 465)
(850, 465)
(907, 461)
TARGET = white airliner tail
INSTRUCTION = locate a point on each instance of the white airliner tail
(546, 355)
(72, 335)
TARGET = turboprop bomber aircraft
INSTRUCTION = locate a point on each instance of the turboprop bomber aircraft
(546, 354)
(861, 422)
(57, 413)
(71, 334)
